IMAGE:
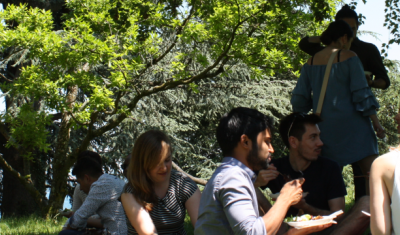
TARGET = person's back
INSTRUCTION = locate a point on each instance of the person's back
(104, 195)
(385, 194)
(102, 191)
(349, 103)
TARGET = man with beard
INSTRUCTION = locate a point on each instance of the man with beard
(228, 203)
(323, 185)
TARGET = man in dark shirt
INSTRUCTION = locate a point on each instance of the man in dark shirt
(372, 62)
(367, 52)
(323, 179)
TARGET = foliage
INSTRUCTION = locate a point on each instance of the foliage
(390, 104)
(116, 68)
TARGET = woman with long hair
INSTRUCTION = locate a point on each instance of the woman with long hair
(156, 197)
(385, 191)
(349, 105)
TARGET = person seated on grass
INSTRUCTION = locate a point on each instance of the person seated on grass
(156, 197)
(79, 196)
(385, 191)
(323, 177)
(229, 202)
(102, 192)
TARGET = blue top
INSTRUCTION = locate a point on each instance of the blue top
(228, 203)
(346, 129)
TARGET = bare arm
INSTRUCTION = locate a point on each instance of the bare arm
(138, 217)
(290, 194)
(380, 132)
(192, 206)
(381, 222)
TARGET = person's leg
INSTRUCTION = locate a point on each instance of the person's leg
(71, 232)
(359, 181)
(365, 166)
(354, 222)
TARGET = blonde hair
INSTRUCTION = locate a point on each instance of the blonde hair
(146, 155)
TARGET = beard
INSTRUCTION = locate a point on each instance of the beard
(255, 161)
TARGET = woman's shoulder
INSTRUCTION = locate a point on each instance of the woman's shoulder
(347, 54)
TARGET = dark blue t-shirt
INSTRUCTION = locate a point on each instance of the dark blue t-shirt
(323, 181)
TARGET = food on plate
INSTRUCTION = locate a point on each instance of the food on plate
(305, 217)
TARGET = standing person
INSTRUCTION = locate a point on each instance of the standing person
(371, 60)
(323, 184)
(368, 53)
(349, 105)
(102, 192)
(385, 191)
(156, 197)
(229, 203)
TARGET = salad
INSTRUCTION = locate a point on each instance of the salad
(305, 217)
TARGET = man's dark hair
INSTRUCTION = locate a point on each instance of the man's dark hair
(92, 155)
(336, 30)
(294, 125)
(346, 12)
(240, 121)
(87, 166)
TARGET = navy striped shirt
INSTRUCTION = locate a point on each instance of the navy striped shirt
(169, 214)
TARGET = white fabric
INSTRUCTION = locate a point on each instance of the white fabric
(395, 206)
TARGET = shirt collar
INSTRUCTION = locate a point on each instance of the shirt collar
(234, 162)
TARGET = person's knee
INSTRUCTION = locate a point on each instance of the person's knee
(362, 204)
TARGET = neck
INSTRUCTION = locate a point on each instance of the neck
(335, 45)
(298, 162)
(241, 157)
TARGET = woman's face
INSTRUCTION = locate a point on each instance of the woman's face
(162, 172)
(397, 119)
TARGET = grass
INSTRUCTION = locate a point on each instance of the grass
(30, 225)
(33, 225)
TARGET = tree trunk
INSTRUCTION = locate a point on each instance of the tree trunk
(16, 199)
(61, 161)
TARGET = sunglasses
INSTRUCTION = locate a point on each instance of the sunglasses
(296, 115)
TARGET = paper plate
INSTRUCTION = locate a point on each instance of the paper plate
(310, 223)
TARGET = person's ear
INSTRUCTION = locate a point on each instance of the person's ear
(293, 142)
(245, 141)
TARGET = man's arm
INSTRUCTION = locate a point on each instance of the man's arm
(381, 80)
(98, 195)
(311, 45)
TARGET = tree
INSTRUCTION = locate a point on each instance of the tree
(73, 82)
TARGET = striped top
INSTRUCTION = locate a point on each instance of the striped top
(169, 214)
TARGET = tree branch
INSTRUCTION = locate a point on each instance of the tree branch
(26, 182)
(195, 179)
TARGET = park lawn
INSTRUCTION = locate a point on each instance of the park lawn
(34, 225)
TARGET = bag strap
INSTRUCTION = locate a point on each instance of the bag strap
(325, 83)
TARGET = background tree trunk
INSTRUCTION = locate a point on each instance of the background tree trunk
(16, 200)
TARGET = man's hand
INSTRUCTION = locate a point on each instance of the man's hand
(369, 79)
(264, 176)
(308, 230)
(292, 192)
(380, 131)
(302, 204)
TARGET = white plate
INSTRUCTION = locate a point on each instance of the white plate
(304, 224)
